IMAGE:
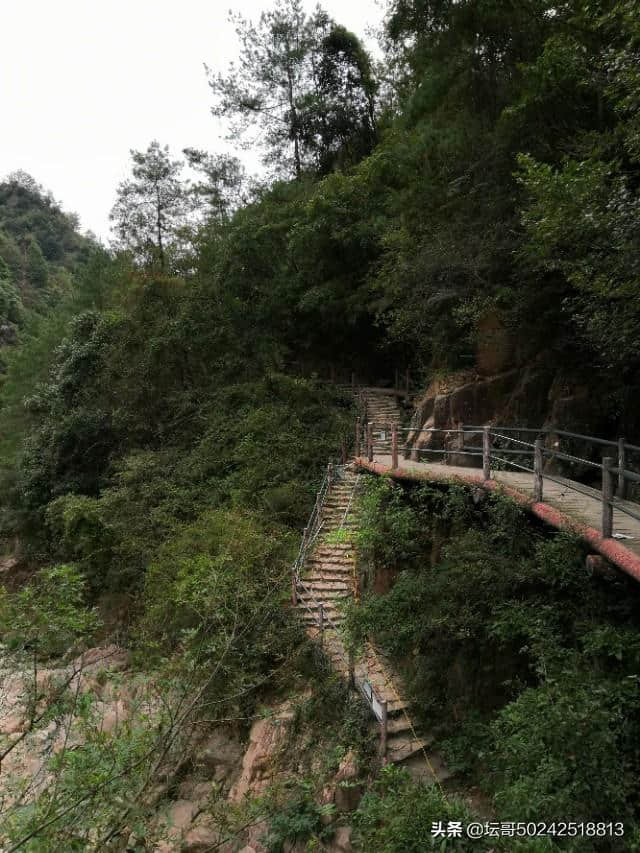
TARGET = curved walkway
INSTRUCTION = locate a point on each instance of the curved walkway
(563, 507)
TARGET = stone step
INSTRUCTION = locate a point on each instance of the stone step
(345, 562)
(346, 558)
(338, 546)
(319, 576)
(396, 706)
(311, 622)
(328, 571)
(331, 560)
(401, 748)
(322, 585)
(311, 605)
(395, 725)
(326, 594)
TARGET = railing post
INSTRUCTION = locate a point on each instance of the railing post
(394, 446)
(294, 586)
(329, 476)
(383, 731)
(486, 453)
(369, 441)
(343, 451)
(357, 447)
(607, 497)
(622, 464)
(537, 470)
(321, 620)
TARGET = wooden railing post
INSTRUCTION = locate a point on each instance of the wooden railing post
(486, 453)
(369, 441)
(357, 447)
(294, 587)
(622, 464)
(383, 731)
(394, 446)
(343, 452)
(537, 470)
(321, 621)
(329, 476)
(607, 498)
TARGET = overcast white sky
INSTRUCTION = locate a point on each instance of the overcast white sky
(83, 81)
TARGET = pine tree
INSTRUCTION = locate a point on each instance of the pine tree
(151, 207)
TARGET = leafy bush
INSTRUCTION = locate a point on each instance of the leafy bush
(48, 614)
(397, 816)
(526, 665)
(298, 819)
(216, 592)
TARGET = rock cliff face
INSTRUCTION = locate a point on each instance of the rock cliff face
(520, 395)
(220, 772)
(29, 747)
(533, 396)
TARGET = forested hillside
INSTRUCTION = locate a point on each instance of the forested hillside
(164, 414)
(40, 248)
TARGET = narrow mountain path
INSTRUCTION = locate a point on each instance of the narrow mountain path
(329, 577)
(383, 411)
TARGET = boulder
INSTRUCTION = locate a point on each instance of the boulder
(202, 836)
(341, 841)
(12, 724)
(266, 739)
(219, 757)
(348, 792)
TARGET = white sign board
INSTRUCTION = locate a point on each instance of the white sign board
(370, 696)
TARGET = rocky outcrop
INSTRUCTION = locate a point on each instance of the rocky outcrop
(346, 790)
(267, 738)
(24, 695)
(520, 395)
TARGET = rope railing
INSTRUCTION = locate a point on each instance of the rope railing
(493, 451)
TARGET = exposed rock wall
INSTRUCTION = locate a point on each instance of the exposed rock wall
(531, 396)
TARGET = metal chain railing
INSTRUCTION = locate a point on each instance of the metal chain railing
(611, 498)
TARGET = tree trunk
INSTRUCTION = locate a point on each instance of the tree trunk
(159, 229)
(295, 131)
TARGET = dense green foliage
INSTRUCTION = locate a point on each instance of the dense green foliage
(399, 815)
(39, 248)
(524, 664)
(162, 428)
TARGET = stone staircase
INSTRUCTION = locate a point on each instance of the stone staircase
(383, 411)
(328, 578)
